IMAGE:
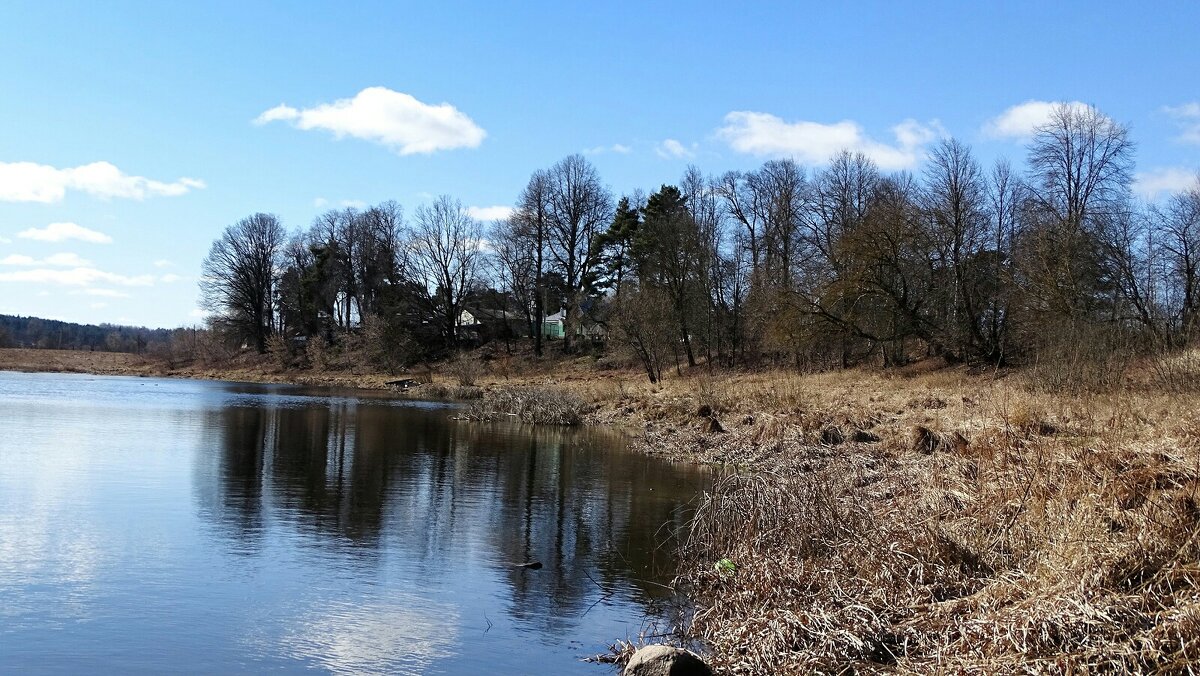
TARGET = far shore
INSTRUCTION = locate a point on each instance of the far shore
(124, 364)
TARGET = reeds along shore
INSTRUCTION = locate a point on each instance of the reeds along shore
(942, 523)
(915, 520)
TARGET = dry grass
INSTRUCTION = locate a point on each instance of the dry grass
(66, 361)
(528, 404)
(440, 391)
(990, 528)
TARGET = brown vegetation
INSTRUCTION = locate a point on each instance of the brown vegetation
(70, 361)
(938, 522)
(530, 405)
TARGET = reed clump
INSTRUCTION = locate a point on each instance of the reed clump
(534, 405)
(442, 391)
(1020, 532)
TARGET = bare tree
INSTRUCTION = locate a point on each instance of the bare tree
(238, 277)
(1081, 161)
(530, 225)
(1179, 221)
(743, 205)
(377, 259)
(955, 201)
(444, 256)
(579, 210)
(1006, 197)
(843, 193)
(514, 264)
(772, 206)
(705, 205)
(637, 320)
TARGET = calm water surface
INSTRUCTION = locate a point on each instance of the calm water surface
(151, 525)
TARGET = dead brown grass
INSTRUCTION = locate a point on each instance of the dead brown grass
(67, 361)
(992, 527)
(531, 405)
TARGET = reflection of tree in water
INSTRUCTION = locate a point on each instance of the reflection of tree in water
(444, 493)
(237, 504)
(599, 521)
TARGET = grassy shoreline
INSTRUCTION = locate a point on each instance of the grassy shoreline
(123, 364)
(927, 519)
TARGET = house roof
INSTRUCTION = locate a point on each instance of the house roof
(486, 313)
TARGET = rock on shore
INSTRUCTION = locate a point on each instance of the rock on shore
(665, 660)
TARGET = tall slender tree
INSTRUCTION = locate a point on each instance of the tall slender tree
(444, 256)
(579, 209)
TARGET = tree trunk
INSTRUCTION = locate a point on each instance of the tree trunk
(566, 323)
(687, 343)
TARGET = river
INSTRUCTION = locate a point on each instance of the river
(158, 525)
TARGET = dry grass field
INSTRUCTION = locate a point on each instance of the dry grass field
(936, 522)
(67, 361)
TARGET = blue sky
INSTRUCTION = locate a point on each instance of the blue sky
(149, 127)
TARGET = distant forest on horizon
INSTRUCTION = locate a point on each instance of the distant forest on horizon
(52, 334)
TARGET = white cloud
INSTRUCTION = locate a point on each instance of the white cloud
(1153, 183)
(169, 278)
(163, 263)
(1020, 121)
(389, 118)
(98, 306)
(197, 313)
(59, 232)
(5, 240)
(496, 213)
(617, 148)
(1187, 110)
(67, 260)
(104, 293)
(31, 182)
(815, 142)
(672, 149)
(1188, 116)
(81, 276)
(321, 203)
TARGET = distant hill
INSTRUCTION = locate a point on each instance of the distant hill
(52, 334)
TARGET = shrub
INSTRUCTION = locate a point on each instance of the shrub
(316, 350)
(464, 370)
(277, 348)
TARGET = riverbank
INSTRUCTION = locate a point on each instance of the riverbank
(251, 369)
(925, 519)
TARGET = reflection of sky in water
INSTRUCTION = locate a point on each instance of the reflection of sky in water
(399, 636)
(150, 524)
